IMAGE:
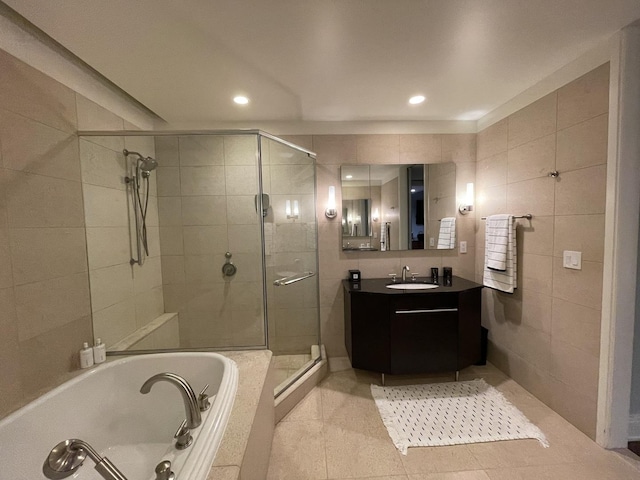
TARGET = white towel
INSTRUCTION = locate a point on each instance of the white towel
(447, 236)
(383, 237)
(500, 257)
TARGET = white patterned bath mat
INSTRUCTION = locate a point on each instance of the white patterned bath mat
(450, 414)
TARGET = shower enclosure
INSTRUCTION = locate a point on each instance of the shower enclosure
(203, 241)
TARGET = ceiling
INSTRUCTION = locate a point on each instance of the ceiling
(326, 60)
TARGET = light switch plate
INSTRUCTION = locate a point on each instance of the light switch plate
(432, 242)
(463, 246)
(572, 260)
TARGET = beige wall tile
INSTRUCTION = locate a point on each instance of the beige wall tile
(110, 285)
(44, 253)
(531, 196)
(581, 191)
(105, 207)
(107, 246)
(578, 409)
(421, 148)
(583, 233)
(584, 98)
(44, 306)
(147, 276)
(583, 145)
(304, 141)
(6, 275)
(113, 323)
(26, 208)
(290, 179)
(532, 159)
(46, 358)
(168, 179)
(536, 273)
(30, 93)
(240, 150)
(576, 368)
(204, 268)
(459, 147)
(335, 149)
(533, 121)
(170, 211)
(172, 269)
(491, 200)
(377, 149)
(492, 171)
(579, 286)
(536, 235)
(577, 326)
(204, 210)
(145, 145)
(32, 147)
(207, 180)
(536, 311)
(241, 210)
(493, 140)
(149, 306)
(101, 166)
(199, 150)
(205, 240)
(10, 382)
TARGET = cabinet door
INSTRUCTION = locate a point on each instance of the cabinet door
(424, 340)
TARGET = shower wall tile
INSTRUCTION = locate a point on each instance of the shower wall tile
(107, 246)
(204, 210)
(105, 207)
(170, 211)
(168, 181)
(205, 240)
(33, 147)
(149, 306)
(141, 144)
(148, 276)
(101, 166)
(533, 196)
(207, 180)
(44, 306)
(28, 92)
(92, 116)
(240, 180)
(583, 145)
(173, 269)
(200, 269)
(198, 150)
(110, 285)
(577, 326)
(25, 207)
(241, 210)
(6, 274)
(535, 237)
(46, 253)
(171, 242)
(583, 287)
(584, 98)
(582, 233)
(240, 150)
(10, 383)
(167, 151)
(115, 322)
(581, 192)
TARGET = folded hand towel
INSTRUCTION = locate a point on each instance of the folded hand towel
(500, 264)
(447, 235)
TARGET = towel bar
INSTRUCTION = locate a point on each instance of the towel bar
(528, 216)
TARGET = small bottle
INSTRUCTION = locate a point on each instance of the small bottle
(99, 352)
(434, 275)
(86, 356)
(448, 277)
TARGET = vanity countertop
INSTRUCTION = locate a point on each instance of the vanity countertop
(379, 285)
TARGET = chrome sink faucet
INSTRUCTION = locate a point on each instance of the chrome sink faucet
(191, 407)
(405, 269)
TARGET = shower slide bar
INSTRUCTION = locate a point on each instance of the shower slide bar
(281, 282)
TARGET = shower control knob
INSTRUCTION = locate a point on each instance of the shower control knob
(228, 269)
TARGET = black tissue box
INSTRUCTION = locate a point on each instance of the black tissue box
(354, 276)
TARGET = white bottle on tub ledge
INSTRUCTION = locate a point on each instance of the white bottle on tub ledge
(99, 352)
(86, 356)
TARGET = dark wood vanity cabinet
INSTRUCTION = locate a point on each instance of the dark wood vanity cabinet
(412, 331)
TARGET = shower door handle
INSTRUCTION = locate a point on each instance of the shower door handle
(281, 282)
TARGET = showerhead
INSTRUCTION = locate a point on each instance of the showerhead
(147, 164)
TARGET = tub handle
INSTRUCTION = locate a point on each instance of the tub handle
(203, 400)
(183, 436)
(163, 471)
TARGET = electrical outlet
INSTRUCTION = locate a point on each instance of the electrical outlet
(463, 246)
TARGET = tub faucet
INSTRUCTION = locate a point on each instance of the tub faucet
(194, 419)
(405, 269)
(67, 456)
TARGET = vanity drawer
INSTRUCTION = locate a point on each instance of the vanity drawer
(425, 302)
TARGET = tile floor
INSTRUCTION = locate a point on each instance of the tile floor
(336, 433)
(286, 366)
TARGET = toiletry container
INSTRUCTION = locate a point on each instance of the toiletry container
(99, 352)
(86, 356)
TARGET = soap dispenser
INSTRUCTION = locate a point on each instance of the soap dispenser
(99, 352)
(86, 356)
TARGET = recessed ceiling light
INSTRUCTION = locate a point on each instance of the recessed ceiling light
(349, 177)
(416, 99)
(241, 100)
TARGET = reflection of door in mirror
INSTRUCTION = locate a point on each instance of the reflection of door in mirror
(416, 206)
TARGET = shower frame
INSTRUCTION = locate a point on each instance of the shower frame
(245, 132)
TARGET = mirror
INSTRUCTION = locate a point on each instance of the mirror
(396, 207)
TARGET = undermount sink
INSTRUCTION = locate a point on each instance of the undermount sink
(412, 286)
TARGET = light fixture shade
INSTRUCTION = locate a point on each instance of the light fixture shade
(469, 200)
(375, 215)
(331, 211)
(296, 208)
(287, 208)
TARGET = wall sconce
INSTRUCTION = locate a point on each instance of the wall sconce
(331, 211)
(375, 215)
(287, 209)
(467, 206)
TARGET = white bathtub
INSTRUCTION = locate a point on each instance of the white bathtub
(104, 407)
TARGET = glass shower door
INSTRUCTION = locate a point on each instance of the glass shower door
(290, 243)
